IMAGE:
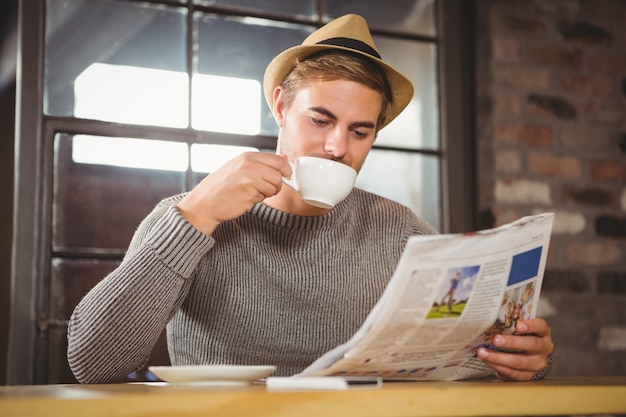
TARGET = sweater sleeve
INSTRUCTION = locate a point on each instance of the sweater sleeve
(115, 326)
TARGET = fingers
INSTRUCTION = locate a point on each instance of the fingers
(531, 336)
(271, 173)
(282, 165)
(537, 327)
(513, 366)
(519, 357)
(233, 189)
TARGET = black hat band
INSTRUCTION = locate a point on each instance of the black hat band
(351, 44)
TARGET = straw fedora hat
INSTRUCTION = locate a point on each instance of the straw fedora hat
(348, 33)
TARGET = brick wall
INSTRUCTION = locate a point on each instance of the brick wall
(551, 125)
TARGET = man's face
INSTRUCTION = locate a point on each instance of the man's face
(329, 119)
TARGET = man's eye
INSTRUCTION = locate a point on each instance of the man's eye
(319, 122)
(360, 134)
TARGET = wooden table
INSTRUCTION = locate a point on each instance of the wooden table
(554, 396)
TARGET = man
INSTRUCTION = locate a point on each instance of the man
(244, 272)
(449, 296)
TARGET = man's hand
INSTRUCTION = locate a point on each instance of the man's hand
(233, 189)
(532, 340)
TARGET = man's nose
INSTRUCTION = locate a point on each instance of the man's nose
(336, 145)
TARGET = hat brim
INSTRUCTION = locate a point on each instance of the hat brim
(283, 63)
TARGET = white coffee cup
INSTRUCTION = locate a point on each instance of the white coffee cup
(321, 182)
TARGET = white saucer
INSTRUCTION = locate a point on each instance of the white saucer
(218, 375)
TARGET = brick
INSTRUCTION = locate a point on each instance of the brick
(612, 282)
(607, 170)
(554, 166)
(524, 25)
(523, 192)
(558, 7)
(505, 50)
(556, 56)
(612, 338)
(545, 308)
(565, 325)
(535, 135)
(601, 253)
(578, 337)
(521, 78)
(611, 226)
(585, 139)
(508, 161)
(539, 113)
(508, 215)
(585, 32)
(608, 62)
(610, 310)
(558, 107)
(586, 84)
(606, 112)
(507, 105)
(576, 307)
(606, 11)
(588, 196)
(568, 280)
(570, 223)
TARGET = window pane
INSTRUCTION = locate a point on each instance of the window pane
(208, 158)
(226, 104)
(411, 16)
(232, 55)
(116, 61)
(129, 152)
(72, 279)
(302, 8)
(410, 179)
(98, 204)
(205, 159)
(417, 127)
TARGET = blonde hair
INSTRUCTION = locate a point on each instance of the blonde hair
(339, 65)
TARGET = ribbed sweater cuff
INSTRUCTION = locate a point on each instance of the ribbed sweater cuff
(178, 243)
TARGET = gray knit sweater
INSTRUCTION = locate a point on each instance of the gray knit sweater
(268, 288)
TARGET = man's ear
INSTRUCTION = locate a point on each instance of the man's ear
(279, 106)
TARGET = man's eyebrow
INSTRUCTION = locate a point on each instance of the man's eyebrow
(368, 125)
(324, 111)
(330, 115)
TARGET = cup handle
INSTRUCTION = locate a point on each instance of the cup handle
(293, 182)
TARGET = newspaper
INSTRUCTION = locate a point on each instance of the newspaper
(450, 294)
